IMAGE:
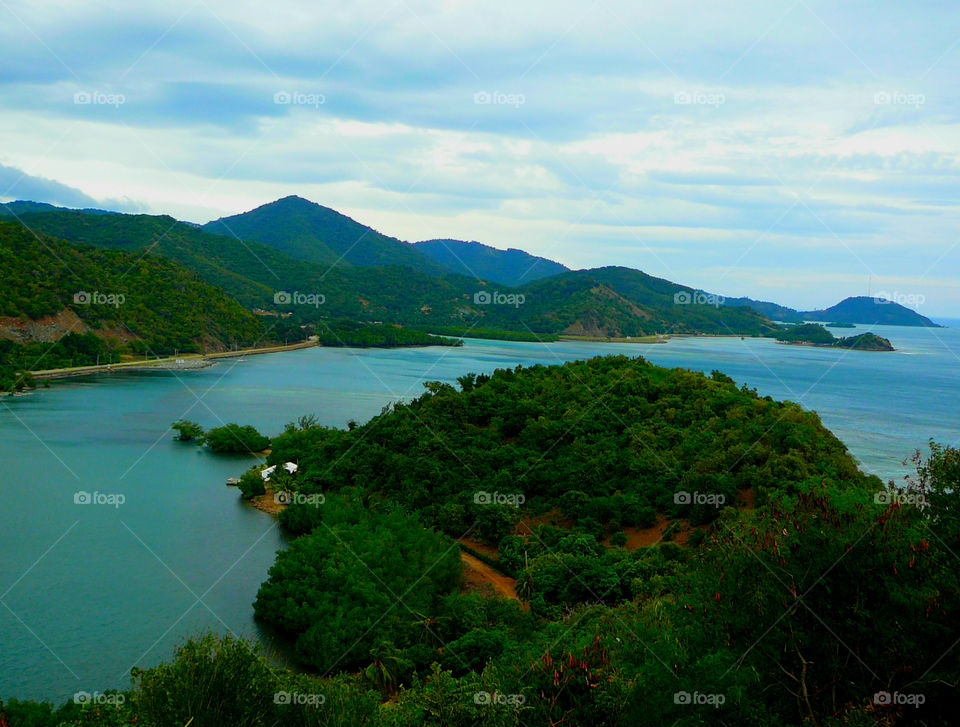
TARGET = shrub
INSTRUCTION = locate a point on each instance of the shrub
(233, 438)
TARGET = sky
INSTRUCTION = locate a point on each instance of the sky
(799, 152)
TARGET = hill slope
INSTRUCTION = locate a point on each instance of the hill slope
(608, 301)
(143, 302)
(870, 311)
(309, 231)
(473, 259)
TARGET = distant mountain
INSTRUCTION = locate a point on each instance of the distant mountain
(773, 311)
(475, 260)
(23, 207)
(618, 302)
(870, 311)
(142, 303)
(311, 232)
(604, 302)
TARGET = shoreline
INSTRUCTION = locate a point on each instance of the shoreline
(186, 362)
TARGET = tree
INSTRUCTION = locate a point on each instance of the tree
(236, 439)
(187, 430)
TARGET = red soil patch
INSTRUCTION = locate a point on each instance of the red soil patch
(482, 577)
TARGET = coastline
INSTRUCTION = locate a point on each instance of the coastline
(169, 363)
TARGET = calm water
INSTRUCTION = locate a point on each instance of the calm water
(87, 591)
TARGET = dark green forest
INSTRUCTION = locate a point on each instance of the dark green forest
(783, 586)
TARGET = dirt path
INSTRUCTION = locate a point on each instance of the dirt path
(479, 573)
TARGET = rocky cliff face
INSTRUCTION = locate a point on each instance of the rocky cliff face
(44, 330)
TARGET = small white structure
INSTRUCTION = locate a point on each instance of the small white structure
(290, 467)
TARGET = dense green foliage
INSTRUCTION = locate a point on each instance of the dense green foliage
(833, 606)
(498, 334)
(361, 335)
(607, 301)
(137, 302)
(817, 335)
(806, 333)
(606, 441)
(832, 602)
(338, 612)
(236, 439)
(318, 234)
(73, 349)
(187, 430)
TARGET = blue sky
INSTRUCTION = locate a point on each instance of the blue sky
(797, 151)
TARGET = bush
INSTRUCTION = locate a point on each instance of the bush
(212, 681)
(251, 483)
(619, 538)
(232, 438)
(187, 430)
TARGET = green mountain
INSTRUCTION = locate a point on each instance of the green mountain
(773, 311)
(606, 302)
(617, 302)
(870, 311)
(506, 267)
(141, 303)
(311, 232)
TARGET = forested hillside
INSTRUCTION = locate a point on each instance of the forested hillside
(136, 302)
(803, 592)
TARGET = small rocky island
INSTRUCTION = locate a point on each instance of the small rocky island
(814, 334)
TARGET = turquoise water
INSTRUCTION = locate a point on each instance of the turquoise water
(87, 591)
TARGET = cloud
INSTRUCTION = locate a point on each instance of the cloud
(15, 184)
